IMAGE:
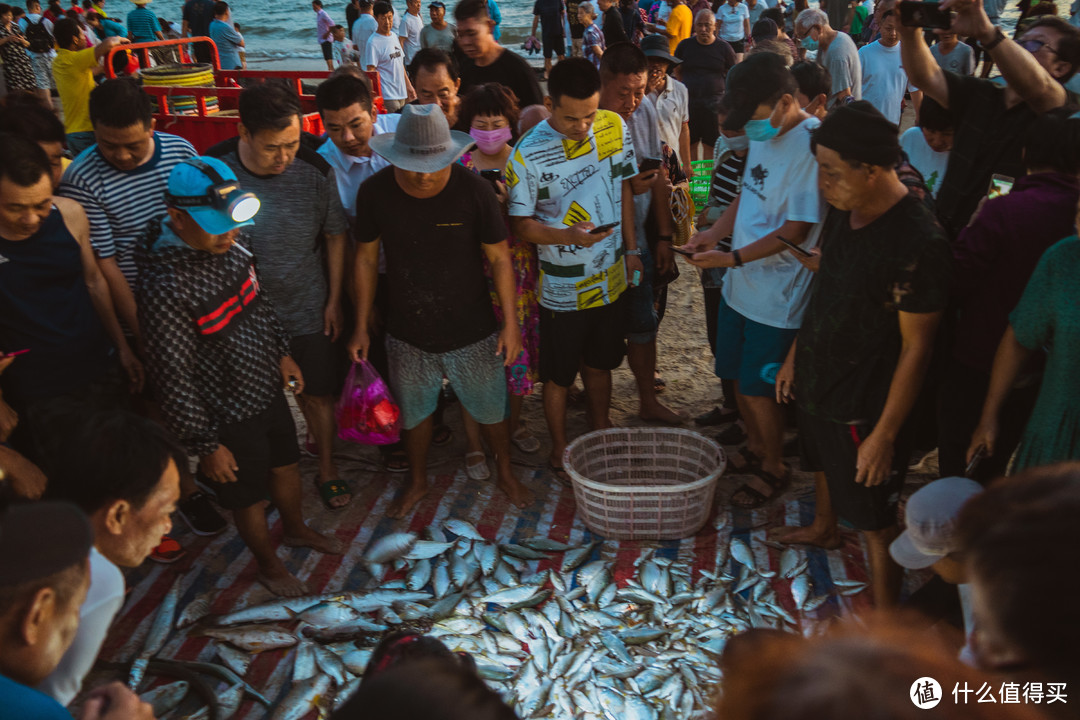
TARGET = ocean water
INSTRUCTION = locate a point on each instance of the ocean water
(281, 31)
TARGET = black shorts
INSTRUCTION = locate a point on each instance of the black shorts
(259, 444)
(321, 361)
(553, 43)
(327, 50)
(737, 46)
(704, 124)
(832, 448)
(594, 337)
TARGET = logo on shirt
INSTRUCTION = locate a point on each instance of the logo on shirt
(547, 177)
(576, 214)
(3, 260)
(758, 174)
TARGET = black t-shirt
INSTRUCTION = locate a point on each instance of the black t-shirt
(198, 14)
(704, 69)
(550, 12)
(437, 294)
(849, 342)
(352, 14)
(577, 30)
(989, 139)
(508, 69)
(613, 26)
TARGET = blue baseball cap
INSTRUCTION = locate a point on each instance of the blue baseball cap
(207, 189)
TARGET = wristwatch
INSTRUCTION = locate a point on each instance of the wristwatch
(737, 257)
(998, 38)
(636, 252)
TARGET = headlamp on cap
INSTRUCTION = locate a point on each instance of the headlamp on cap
(224, 196)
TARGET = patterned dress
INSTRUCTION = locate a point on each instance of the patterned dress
(18, 72)
(520, 376)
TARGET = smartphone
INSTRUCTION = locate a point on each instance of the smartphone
(602, 228)
(925, 14)
(1000, 185)
(978, 457)
(683, 252)
(649, 164)
(492, 176)
(795, 248)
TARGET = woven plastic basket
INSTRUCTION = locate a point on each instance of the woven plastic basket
(644, 483)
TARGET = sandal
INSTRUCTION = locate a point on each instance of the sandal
(560, 474)
(333, 489)
(478, 470)
(659, 384)
(524, 441)
(750, 460)
(441, 435)
(396, 461)
(757, 498)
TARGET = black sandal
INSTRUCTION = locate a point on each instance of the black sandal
(749, 458)
(757, 498)
(561, 475)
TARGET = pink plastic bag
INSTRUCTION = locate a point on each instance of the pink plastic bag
(367, 413)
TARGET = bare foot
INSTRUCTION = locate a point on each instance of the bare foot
(519, 495)
(808, 535)
(281, 582)
(406, 501)
(658, 412)
(319, 543)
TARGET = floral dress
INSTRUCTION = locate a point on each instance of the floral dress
(523, 373)
(18, 73)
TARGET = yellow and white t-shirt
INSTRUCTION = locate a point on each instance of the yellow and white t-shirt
(560, 182)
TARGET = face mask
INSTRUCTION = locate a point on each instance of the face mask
(739, 142)
(490, 141)
(760, 130)
(809, 43)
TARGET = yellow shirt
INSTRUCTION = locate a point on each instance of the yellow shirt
(73, 72)
(679, 26)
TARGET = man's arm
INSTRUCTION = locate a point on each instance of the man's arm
(79, 227)
(120, 290)
(502, 275)
(875, 453)
(333, 322)
(1008, 362)
(102, 48)
(684, 150)
(365, 279)
(723, 227)
(795, 231)
(922, 70)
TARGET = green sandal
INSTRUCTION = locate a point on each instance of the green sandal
(333, 489)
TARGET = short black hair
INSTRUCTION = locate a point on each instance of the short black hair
(1068, 47)
(381, 8)
(317, 3)
(120, 103)
(65, 30)
(32, 3)
(813, 79)
(471, 10)
(342, 91)
(573, 77)
(1052, 142)
(4, 9)
(270, 105)
(933, 116)
(431, 59)
(775, 14)
(113, 455)
(623, 58)
(63, 583)
(490, 99)
(22, 161)
(220, 8)
(24, 115)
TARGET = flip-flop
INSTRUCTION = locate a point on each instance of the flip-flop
(477, 471)
(333, 489)
(525, 442)
(749, 458)
(757, 498)
(561, 476)
(396, 461)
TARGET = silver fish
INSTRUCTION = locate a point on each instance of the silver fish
(345, 692)
(510, 595)
(346, 631)
(574, 558)
(253, 638)
(236, 660)
(332, 665)
(357, 660)
(800, 590)
(165, 697)
(273, 611)
(390, 547)
(487, 555)
(328, 614)
(616, 646)
(304, 664)
(159, 633)
(195, 610)
(547, 544)
(230, 700)
(302, 698)
(419, 575)
(742, 553)
(520, 551)
(426, 549)
(464, 529)
(440, 580)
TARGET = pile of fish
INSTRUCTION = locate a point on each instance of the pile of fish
(563, 642)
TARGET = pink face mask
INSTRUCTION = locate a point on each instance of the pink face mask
(490, 141)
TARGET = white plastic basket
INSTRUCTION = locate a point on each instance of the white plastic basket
(644, 483)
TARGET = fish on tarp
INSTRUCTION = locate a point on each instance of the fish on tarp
(277, 610)
(159, 633)
(302, 698)
(464, 529)
(195, 610)
(165, 697)
(389, 548)
(236, 660)
(253, 638)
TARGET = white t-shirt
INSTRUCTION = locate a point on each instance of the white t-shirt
(731, 20)
(103, 600)
(779, 184)
(883, 79)
(408, 30)
(927, 161)
(365, 26)
(385, 53)
(673, 109)
(561, 182)
(350, 171)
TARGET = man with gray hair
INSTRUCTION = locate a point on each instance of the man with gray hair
(836, 52)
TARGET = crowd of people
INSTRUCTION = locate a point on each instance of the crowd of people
(874, 295)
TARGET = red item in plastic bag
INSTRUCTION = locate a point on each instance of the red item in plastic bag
(367, 413)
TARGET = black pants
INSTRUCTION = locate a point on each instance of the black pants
(960, 401)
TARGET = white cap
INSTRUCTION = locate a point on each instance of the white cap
(931, 516)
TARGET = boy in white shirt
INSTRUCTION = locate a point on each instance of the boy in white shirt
(384, 54)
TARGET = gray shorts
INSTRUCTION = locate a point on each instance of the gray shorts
(475, 372)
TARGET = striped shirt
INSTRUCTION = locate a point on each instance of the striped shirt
(143, 24)
(121, 204)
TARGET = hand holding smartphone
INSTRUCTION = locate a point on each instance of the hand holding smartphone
(925, 15)
(795, 248)
(602, 228)
(684, 252)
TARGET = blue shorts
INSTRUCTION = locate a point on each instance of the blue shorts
(642, 320)
(750, 353)
(475, 372)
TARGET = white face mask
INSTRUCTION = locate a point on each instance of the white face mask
(738, 143)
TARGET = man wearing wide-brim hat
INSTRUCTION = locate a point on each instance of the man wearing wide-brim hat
(670, 97)
(436, 222)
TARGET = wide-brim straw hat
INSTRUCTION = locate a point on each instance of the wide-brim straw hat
(423, 141)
